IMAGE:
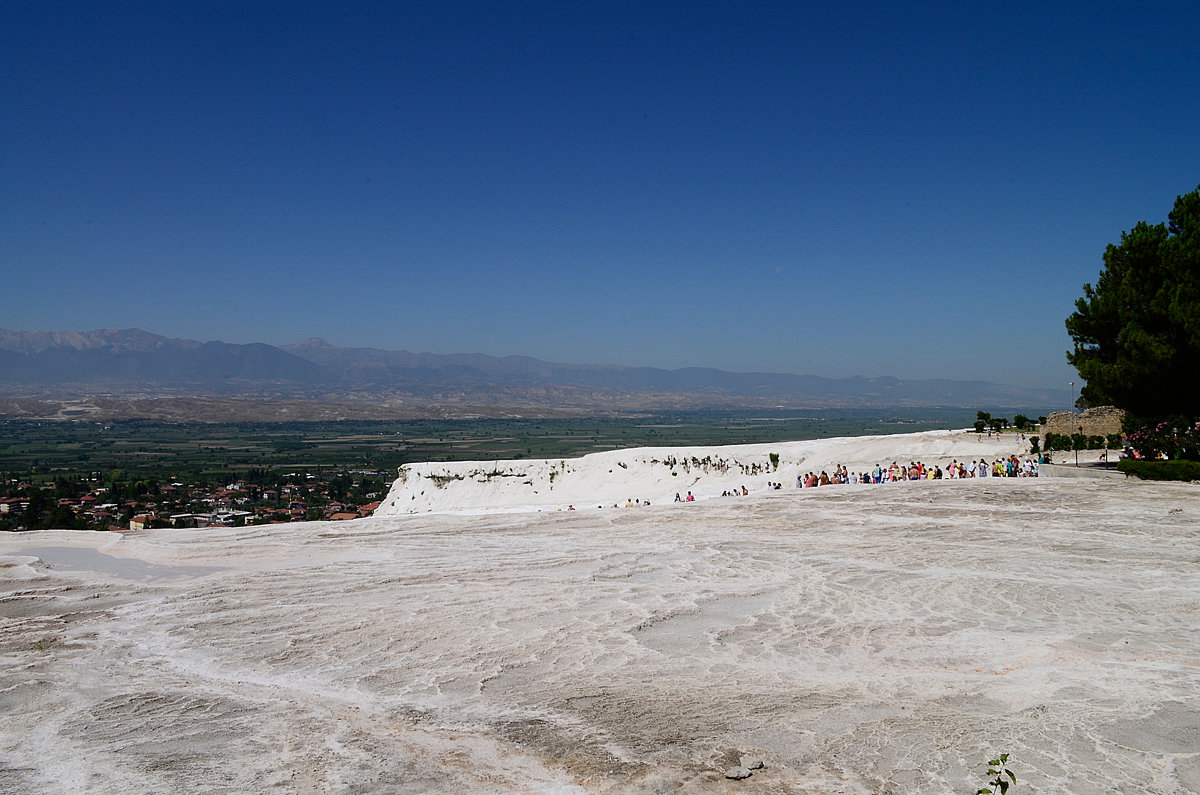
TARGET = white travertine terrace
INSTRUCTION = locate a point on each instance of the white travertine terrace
(861, 639)
(657, 474)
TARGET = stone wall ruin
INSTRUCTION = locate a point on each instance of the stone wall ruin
(1100, 421)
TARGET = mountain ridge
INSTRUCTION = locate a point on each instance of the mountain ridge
(127, 362)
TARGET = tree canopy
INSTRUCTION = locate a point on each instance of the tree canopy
(1137, 331)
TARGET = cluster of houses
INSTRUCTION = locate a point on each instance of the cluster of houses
(178, 504)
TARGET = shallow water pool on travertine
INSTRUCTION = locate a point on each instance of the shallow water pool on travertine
(88, 559)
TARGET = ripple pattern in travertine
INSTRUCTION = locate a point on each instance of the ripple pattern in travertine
(871, 639)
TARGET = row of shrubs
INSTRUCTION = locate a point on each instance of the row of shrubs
(1078, 441)
(1161, 470)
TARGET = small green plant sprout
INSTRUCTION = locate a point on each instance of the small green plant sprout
(997, 767)
(774, 461)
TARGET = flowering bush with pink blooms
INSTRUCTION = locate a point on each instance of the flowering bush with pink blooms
(1165, 438)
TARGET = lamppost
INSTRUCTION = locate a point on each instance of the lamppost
(1072, 395)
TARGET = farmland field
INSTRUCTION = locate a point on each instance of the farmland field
(47, 449)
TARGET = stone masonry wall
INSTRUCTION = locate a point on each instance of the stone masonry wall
(1100, 421)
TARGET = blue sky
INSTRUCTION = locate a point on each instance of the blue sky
(917, 190)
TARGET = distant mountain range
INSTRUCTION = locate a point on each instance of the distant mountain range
(131, 362)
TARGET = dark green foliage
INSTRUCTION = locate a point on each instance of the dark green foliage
(1114, 441)
(44, 512)
(998, 783)
(1186, 471)
(1075, 441)
(62, 517)
(1034, 447)
(1137, 332)
(1022, 422)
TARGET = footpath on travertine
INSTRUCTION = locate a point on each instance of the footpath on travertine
(1091, 469)
(655, 475)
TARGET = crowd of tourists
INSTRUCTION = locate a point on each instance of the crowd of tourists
(1011, 467)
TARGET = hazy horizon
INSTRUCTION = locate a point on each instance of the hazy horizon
(618, 365)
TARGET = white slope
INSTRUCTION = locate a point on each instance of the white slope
(657, 474)
(856, 639)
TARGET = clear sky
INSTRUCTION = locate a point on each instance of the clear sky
(908, 189)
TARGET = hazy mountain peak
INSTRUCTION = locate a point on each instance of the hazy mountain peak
(310, 343)
(132, 360)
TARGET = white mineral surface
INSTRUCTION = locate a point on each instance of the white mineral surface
(863, 639)
(657, 474)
